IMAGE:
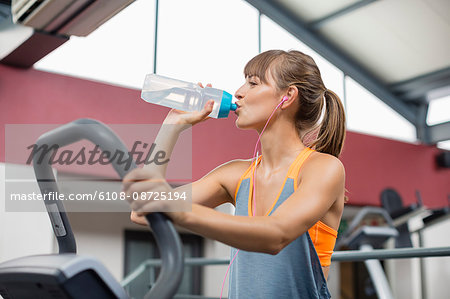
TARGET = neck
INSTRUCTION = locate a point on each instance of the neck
(280, 144)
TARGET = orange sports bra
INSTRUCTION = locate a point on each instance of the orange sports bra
(324, 239)
(322, 236)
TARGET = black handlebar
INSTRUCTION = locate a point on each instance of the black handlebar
(167, 239)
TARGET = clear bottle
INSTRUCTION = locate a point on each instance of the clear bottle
(185, 96)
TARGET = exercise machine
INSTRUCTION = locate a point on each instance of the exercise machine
(434, 217)
(400, 214)
(66, 274)
(367, 238)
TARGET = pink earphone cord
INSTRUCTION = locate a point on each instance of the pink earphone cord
(254, 182)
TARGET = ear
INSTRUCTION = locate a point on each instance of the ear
(291, 94)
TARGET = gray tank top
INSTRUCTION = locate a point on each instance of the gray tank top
(295, 272)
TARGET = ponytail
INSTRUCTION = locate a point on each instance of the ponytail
(331, 135)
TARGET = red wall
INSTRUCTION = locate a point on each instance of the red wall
(372, 163)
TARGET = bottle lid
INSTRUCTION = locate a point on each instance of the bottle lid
(226, 105)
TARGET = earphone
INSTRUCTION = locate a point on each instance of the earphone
(255, 153)
(284, 99)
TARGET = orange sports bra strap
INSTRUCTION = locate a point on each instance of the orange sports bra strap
(298, 163)
(246, 174)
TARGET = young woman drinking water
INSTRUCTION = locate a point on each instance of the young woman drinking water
(289, 200)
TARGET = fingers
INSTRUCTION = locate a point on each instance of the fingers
(143, 208)
(208, 108)
(201, 85)
(187, 118)
(140, 175)
(203, 114)
(134, 176)
(196, 117)
(141, 188)
(138, 219)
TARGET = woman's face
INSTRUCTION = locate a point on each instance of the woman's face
(256, 101)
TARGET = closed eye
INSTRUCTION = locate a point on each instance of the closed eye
(252, 80)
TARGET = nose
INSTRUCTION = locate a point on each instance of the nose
(239, 94)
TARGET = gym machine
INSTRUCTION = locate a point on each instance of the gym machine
(66, 274)
(366, 238)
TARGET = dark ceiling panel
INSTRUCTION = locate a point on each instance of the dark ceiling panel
(33, 49)
(416, 89)
(440, 132)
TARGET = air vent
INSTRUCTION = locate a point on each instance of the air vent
(66, 17)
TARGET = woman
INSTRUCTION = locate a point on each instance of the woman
(289, 206)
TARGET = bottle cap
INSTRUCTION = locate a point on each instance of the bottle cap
(226, 105)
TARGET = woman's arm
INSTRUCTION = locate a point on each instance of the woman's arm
(215, 188)
(174, 124)
(212, 190)
(321, 186)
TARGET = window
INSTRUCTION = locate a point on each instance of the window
(118, 52)
(368, 114)
(438, 111)
(207, 41)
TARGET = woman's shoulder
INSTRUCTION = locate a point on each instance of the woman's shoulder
(232, 169)
(323, 164)
(236, 166)
(230, 173)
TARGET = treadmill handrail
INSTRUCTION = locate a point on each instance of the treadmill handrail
(366, 211)
(357, 220)
(168, 240)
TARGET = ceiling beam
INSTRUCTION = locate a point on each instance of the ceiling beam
(23, 45)
(296, 27)
(5, 13)
(422, 129)
(317, 24)
(33, 49)
(439, 132)
(419, 87)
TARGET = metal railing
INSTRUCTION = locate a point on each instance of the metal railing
(338, 256)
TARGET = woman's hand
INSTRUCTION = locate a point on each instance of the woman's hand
(144, 190)
(179, 117)
(138, 219)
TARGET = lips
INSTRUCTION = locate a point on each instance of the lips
(237, 107)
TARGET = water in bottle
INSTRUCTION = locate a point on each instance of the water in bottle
(185, 96)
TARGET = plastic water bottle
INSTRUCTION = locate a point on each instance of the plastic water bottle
(185, 96)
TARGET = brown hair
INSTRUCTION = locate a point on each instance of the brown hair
(294, 68)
